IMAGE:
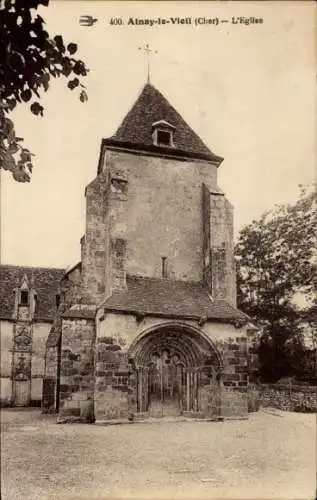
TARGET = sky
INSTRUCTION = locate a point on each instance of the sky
(247, 90)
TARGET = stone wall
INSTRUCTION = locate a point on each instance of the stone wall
(115, 394)
(232, 344)
(163, 213)
(288, 397)
(77, 369)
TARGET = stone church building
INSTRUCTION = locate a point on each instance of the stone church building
(147, 324)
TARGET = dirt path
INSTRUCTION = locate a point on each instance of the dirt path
(268, 456)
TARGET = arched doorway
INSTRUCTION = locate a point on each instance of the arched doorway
(173, 362)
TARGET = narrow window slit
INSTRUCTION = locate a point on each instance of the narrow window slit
(164, 267)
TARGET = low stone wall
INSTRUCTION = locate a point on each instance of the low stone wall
(284, 397)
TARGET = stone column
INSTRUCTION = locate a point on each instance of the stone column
(146, 389)
(140, 391)
(188, 389)
(195, 392)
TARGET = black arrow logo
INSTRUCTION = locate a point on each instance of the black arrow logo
(87, 20)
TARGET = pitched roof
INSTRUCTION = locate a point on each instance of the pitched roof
(163, 297)
(46, 284)
(151, 107)
(72, 267)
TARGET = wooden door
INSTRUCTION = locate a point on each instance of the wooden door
(21, 392)
(165, 385)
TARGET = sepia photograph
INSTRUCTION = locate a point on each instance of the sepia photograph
(158, 252)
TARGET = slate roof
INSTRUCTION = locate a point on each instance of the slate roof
(169, 298)
(150, 107)
(46, 284)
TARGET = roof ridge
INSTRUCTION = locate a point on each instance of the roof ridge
(32, 267)
(170, 280)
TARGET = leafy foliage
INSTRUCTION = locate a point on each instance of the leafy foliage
(29, 59)
(276, 259)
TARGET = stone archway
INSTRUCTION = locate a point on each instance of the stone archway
(173, 361)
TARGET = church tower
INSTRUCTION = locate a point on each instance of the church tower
(163, 212)
(155, 331)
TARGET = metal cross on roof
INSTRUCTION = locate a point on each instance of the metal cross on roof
(148, 51)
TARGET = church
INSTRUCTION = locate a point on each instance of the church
(147, 324)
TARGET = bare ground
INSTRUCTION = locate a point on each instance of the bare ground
(272, 455)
